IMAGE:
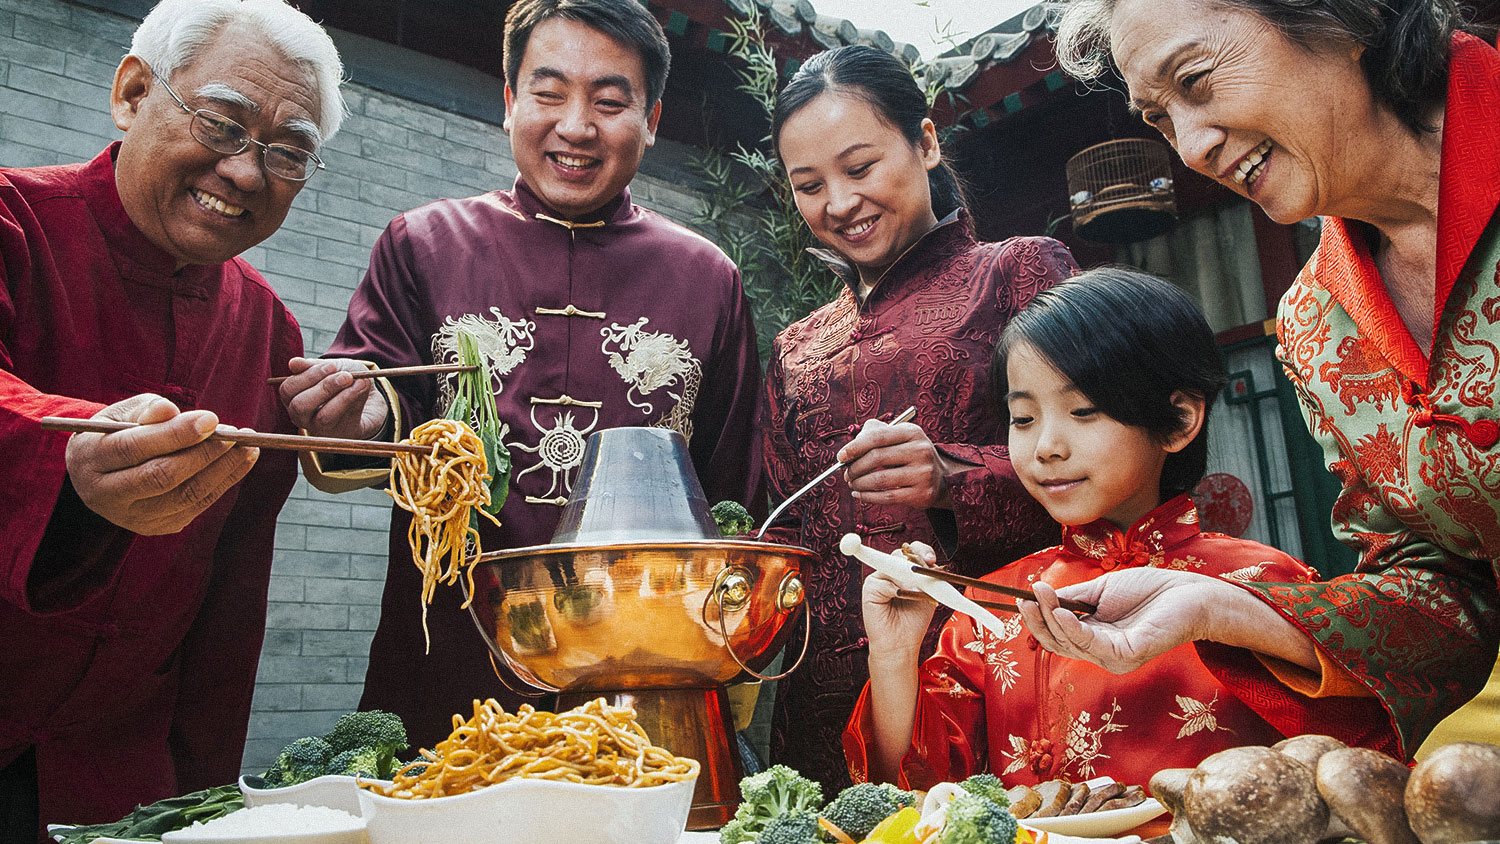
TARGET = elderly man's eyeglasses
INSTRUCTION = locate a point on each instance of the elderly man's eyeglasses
(227, 137)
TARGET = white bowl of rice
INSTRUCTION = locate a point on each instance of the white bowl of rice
(535, 811)
(282, 823)
(333, 791)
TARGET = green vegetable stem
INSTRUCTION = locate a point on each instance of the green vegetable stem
(474, 405)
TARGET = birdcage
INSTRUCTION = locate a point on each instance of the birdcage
(1121, 191)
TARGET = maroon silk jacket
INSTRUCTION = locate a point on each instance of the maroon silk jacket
(128, 661)
(923, 337)
(622, 319)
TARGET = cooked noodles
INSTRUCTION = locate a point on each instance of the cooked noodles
(441, 489)
(595, 743)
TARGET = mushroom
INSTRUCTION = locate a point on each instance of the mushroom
(1454, 794)
(1308, 748)
(1254, 795)
(1167, 786)
(1365, 789)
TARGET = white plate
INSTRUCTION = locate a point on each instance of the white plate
(1099, 824)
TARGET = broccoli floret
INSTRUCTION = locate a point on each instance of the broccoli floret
(273, 774)
(799, 827)
(737, 832)
(972, 819)
(364, 762)
(776, 791)
(859, 808)
(380, 731)
(732, 518)
(987, 785)
(768, 795)
(302, 760)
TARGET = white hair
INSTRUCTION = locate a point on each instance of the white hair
(1082, 43)
(176, 31)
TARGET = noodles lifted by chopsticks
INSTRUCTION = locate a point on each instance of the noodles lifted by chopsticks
(595, 743)
(441, 489)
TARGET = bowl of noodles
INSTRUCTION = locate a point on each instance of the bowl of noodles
(586, 775)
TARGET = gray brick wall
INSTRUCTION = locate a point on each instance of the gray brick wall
(57, 59)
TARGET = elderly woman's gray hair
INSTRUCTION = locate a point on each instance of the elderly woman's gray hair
(176, 31)
(1406, 42)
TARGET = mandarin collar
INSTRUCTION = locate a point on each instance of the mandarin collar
(136, 258)
(616, 210)
(952, 234)
(1469, 178)
(1170, 524)
(1468, 193)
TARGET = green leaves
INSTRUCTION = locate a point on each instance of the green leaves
(474, 405)
(149, 822)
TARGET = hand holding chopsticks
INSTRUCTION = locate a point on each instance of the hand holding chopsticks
(434, 369)
(985, 585)
(293, 442)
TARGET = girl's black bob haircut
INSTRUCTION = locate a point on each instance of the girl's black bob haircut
(1127, 341)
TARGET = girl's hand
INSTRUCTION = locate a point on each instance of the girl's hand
(896, 464)
(896, 625)
(1145, 612)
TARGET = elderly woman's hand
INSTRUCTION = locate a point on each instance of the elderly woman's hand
(1145, 612)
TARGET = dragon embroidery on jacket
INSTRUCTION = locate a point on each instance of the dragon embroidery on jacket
(503, 341)
(649, 361)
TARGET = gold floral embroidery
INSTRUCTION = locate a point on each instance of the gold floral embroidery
(1086, 744)
(1185, 563)
(1020, 755)
(1003, 668)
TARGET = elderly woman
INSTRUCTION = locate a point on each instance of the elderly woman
(1385, 120)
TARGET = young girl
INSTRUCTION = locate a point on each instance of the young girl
(1107, 380)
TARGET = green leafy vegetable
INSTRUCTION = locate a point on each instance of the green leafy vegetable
(474, 405)
(149, 822)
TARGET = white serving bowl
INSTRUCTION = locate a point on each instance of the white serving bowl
(335, 792)
(534, 812)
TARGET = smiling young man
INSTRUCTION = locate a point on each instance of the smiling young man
(594, 313)
(134, 565)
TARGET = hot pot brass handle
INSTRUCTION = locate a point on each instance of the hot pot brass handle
(732, 592)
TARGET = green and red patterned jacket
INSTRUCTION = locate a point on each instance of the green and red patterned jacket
(1413, 441)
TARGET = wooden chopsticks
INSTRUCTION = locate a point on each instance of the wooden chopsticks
(998, 606)
(975, 583)
(396, 370)
(333, 445)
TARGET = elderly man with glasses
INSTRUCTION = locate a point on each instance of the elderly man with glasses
(135, 565)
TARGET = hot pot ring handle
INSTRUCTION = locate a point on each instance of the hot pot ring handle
(789, 584)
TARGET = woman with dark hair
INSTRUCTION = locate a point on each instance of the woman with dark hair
(1384, 119)
(1107, 380)
(921, 311)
